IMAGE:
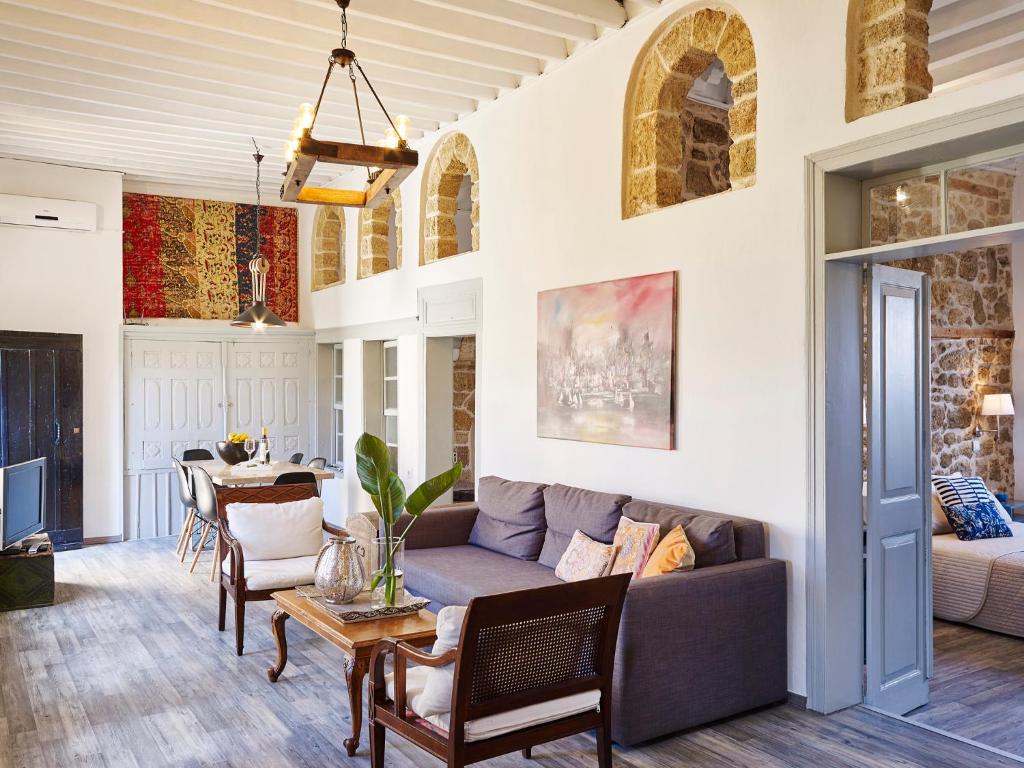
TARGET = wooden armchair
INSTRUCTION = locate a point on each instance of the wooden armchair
(233, 578)
(531, 666)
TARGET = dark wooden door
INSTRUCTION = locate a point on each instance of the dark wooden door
(41, 416)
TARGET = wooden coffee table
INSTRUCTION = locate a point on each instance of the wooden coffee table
(356, 641)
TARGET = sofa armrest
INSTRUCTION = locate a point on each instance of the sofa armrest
(446, 526)
(698, 646)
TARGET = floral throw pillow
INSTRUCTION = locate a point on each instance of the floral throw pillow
(635, 541)
(585, 559)
(980, 520)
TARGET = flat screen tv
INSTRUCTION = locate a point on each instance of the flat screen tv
(22, 501)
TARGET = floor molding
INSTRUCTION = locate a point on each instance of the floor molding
(947, 734)
(91, 540)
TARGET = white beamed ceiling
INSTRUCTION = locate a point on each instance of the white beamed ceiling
(170, 91)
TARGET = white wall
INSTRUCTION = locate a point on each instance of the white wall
(70, 282)
(550, 165)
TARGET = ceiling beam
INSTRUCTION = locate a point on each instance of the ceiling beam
(980, 39)
(607, 14)
(961, 15)
(521, 16)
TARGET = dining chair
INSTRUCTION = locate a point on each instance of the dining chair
(243, 575)
(206, 510)
(529, 667)
(318, 463)
(189, 502)
(196, 454)
(296, 478)
(296, 458)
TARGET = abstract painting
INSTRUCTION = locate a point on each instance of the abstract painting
(606, 362)
(190, 258)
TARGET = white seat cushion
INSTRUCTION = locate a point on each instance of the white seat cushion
(496, 725)
(277, 574)
(277, 531)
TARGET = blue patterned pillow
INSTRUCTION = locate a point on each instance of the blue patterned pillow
(977, 521)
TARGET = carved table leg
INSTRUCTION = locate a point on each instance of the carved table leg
(277, 624)
(355, 671)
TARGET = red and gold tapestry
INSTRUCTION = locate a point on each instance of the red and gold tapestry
(190, 258)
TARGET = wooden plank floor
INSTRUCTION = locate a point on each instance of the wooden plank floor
(978, 688)
(129, 670)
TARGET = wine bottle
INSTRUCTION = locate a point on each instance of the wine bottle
(264, 448)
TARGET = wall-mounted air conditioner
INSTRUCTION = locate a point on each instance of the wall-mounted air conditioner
(22, 211)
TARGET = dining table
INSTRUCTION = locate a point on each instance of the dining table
(224, 474)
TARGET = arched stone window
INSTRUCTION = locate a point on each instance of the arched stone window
(665, 147)
(886, 55)
(451, 200)
(380, 236)
(328, 247)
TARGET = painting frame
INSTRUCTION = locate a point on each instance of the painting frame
(632, 332)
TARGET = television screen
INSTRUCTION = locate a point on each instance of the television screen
(23, 496)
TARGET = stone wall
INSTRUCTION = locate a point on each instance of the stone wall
(706, 143)
(971, 290)
(452, 158)
(328, 247)
(679, 52)
(464, 410)
(375, 236)
(887, 53)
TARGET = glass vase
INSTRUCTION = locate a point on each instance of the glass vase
(389, 578)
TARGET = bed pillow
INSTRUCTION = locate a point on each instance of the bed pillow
(980, 520)
(958, 491)
(940, 524)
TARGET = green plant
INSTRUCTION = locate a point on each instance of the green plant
(387, 491)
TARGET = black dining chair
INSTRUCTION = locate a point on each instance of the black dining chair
(296, 458)
(189, 502)
(318, 463)
(197, 454)
(296, 478)
(206, 511)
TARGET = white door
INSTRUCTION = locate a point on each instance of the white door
(898, 531)
(268, 385)
(175, 401)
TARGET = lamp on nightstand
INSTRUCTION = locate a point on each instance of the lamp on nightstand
(999, 404)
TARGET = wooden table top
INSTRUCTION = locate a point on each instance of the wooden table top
(358, 637)
(238, 474)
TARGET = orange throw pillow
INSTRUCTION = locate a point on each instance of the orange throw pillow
(673, 553)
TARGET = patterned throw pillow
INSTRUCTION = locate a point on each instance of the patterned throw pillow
(954, 491)
(585, 559)
(977, 521)
(635, 541)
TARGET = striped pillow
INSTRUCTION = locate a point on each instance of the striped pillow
(964, 491)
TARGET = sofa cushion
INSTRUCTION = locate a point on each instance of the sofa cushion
(712, 536)
(277, 531)
(569, 509)
(511, 518)
(455, 575)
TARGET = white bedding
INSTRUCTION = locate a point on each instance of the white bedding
(961, 571)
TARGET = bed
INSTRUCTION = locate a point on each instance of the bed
(981, 582)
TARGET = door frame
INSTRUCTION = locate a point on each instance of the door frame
(834, 557)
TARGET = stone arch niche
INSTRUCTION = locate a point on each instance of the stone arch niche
(453, 159)
(654, 141)
(328, 247)
(380, 236)
(886, 55)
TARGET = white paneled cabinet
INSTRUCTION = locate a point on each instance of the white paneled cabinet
(188, 390)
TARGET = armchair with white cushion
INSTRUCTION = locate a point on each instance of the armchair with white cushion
(509, 672)
(270, 537)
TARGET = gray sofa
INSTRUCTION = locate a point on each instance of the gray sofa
(693, 646)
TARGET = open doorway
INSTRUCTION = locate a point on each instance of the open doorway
(451, 410)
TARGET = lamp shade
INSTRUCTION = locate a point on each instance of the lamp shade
(997, 405)
(257, 316)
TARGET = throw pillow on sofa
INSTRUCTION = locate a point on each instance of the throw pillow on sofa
(711, 536)
(585, 558)
(982, 520)
(636, 542)
(674, 553)
(511, 518)
(568, 509)
(277, 531)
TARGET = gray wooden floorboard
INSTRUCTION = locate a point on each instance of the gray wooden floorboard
(128, 671)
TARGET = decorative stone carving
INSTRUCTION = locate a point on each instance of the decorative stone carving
(452, 159)
(659, 135)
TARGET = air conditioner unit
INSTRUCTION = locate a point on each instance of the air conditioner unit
(22, 211)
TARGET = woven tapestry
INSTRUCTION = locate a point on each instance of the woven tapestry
(190, 258)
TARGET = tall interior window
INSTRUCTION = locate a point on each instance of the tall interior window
(338, 457)
(391, 401)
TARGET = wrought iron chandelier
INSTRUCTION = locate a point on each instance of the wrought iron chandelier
(259, 315)
(387, 163)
